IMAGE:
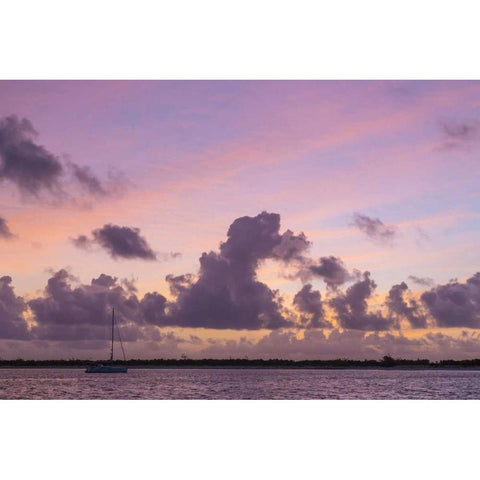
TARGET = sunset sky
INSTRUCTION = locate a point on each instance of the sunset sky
(293, 219)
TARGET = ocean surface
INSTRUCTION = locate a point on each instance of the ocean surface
(238, 383)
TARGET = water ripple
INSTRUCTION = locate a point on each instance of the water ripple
(240, 384)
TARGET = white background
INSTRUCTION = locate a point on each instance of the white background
(238, 439)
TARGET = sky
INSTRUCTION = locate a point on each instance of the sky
(259, 219)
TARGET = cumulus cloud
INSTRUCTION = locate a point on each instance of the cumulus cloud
(331, 269)
(70, 311)
(152, 308)
(123, 242)
(374, 228)
(5, 232)
(180, 283)
(309, 303)
(71, 317)
(291, 247)
(224, 297)
(31, 167)
(227, 293)
(398, 306)
(455, 304)
(12, 308)
(35, 170)
(229, 302)
(119, 242)
(252, 239)
(351, 308)
(79, 314)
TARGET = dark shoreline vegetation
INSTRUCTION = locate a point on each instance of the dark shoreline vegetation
(385, 362)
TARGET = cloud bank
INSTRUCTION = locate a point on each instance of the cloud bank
(226, 294)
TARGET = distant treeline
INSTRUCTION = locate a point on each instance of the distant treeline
(385, 362)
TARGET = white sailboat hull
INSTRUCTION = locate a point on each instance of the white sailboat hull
(99, 368)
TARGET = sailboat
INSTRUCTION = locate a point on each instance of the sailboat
(100, 368)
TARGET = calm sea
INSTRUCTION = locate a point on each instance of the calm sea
(240, 384)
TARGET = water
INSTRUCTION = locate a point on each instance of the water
(240, 384)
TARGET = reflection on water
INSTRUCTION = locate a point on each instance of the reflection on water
(239, 384)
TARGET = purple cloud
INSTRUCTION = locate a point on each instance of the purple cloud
(30, 166)
(455, 304)
(374, 228)
(12, 323)
(34, 169)
(332, 270)
(309, 303)
(351, 308)
(400, 309)
(87, 180)
(459, 135)
(226, 293)
(5, 232)
(119, 242)
(423, 281)
(83, 312)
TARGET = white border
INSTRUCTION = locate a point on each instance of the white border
(254, 40)
(238, 440)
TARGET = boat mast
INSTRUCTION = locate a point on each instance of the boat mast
(113, 322)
